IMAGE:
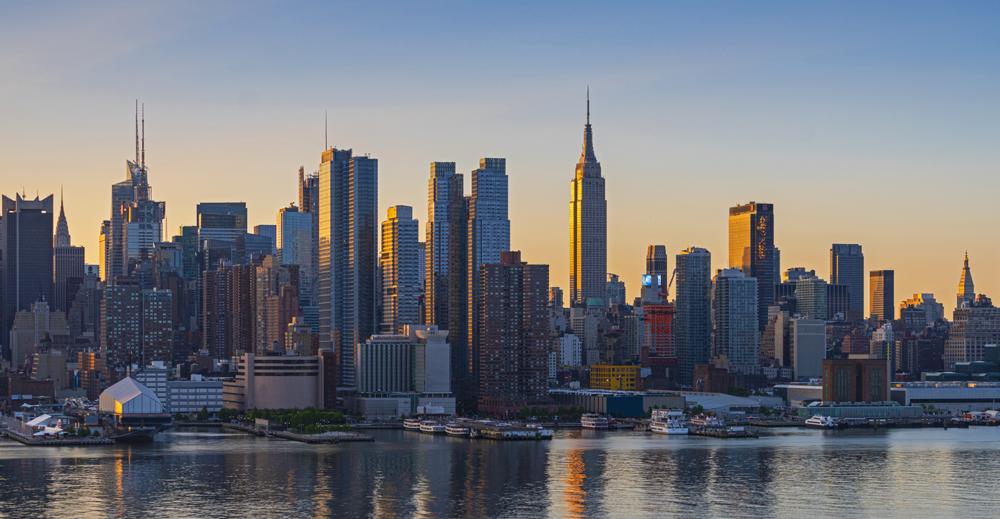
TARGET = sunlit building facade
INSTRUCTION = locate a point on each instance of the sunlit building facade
(588, 217)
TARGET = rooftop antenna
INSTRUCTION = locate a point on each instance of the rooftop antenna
(137, 130)
(144, 134)
(588, 104)
(326, 131)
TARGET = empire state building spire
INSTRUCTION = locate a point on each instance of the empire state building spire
(588, 215)
(587, 156)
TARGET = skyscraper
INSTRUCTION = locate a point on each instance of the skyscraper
(734, 315)
(136, 221)
(881, 285)
(68, 265)
(121, 326)
(847, 267)
(295, 247)
(26, 251)
(588, 221)
(222, 221)
(157, 326)
(966, 288)
(332, 249)
(654, 282)
(515, 335)
(348, 258)
(751, 250)
(692, 325)
(400, 262)
(446, 221)
(488, 236)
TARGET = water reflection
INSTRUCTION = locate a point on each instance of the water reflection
(579, 474)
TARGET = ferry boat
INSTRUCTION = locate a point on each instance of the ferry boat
(411, 424)
(668, 422)
(823, 422)
(432, 427)
(542, 432)
(593, 421)
(456, 429)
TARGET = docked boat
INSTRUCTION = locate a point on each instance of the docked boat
(411, 424)
(707, 421)
(456, 429)
(823, 422)
(593, 421)
(542, 432)
(432, 427)
(668, 422)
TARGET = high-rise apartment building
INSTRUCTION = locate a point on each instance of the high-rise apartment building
(588, 220)
(295, 247)
(445, 195)
(692, 324)
(157, 327)
(734, 314)
(488, 235)
(514, 347)
(400, 263)
(881, 287)
(276, 303)
(121, 326)
(348, 257)
(751, 250)
(847, 267)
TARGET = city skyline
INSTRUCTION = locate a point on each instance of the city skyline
(198, 152)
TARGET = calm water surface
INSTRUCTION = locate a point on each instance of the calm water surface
(792, 473)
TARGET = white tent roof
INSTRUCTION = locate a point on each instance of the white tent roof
(39, 420)
(129, 396)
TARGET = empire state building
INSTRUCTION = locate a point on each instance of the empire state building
(588, 222)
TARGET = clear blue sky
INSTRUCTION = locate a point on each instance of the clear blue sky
(863, 122)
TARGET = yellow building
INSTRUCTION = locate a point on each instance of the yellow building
(614, 377)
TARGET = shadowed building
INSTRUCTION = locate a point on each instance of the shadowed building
(514, 335)
(847, 267)
(881, 285)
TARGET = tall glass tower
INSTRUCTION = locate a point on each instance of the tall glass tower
(752, 250)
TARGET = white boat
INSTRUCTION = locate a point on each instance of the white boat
(668, 422)
(432, 427)
(823, 422)
(707, 421)
(593, 421)
(411, 424)
(456, 429)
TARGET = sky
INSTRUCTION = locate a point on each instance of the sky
(871, 123)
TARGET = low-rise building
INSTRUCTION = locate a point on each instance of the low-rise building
(614, 377)
(620, 404)
(280, 382)
(192, 396)
(953, 397)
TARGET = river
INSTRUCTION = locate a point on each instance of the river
(791, 473)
